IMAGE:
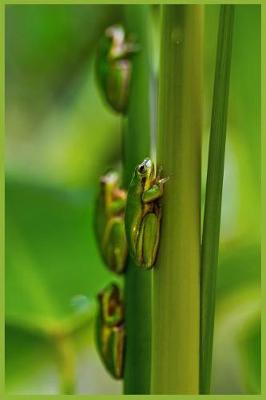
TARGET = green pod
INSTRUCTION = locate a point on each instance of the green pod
(109, 223)
(110, 330)
(114, 67)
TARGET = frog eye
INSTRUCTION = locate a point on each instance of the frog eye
(142, 169)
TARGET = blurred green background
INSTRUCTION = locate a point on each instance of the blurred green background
(60, 137)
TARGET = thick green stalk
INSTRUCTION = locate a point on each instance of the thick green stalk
(66, 364)
(176, 276)
(136, 148)
(212, 215)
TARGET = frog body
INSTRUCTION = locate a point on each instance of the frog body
(114, 67)
(110, 330)
(109, 223)
(143, 214)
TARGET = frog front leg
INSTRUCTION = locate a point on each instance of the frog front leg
(154, 192)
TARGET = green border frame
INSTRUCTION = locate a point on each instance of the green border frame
(2, 202)
(2, 196)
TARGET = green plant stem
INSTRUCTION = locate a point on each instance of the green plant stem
(66, 363)
(212, 216)
(136, 148)
(176, 284)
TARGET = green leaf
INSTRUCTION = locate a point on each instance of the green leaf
(51, 256)
(212, 212)
(237, 336)
(236, 364)
(239, 265)
(25, 349)
(250, 349)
